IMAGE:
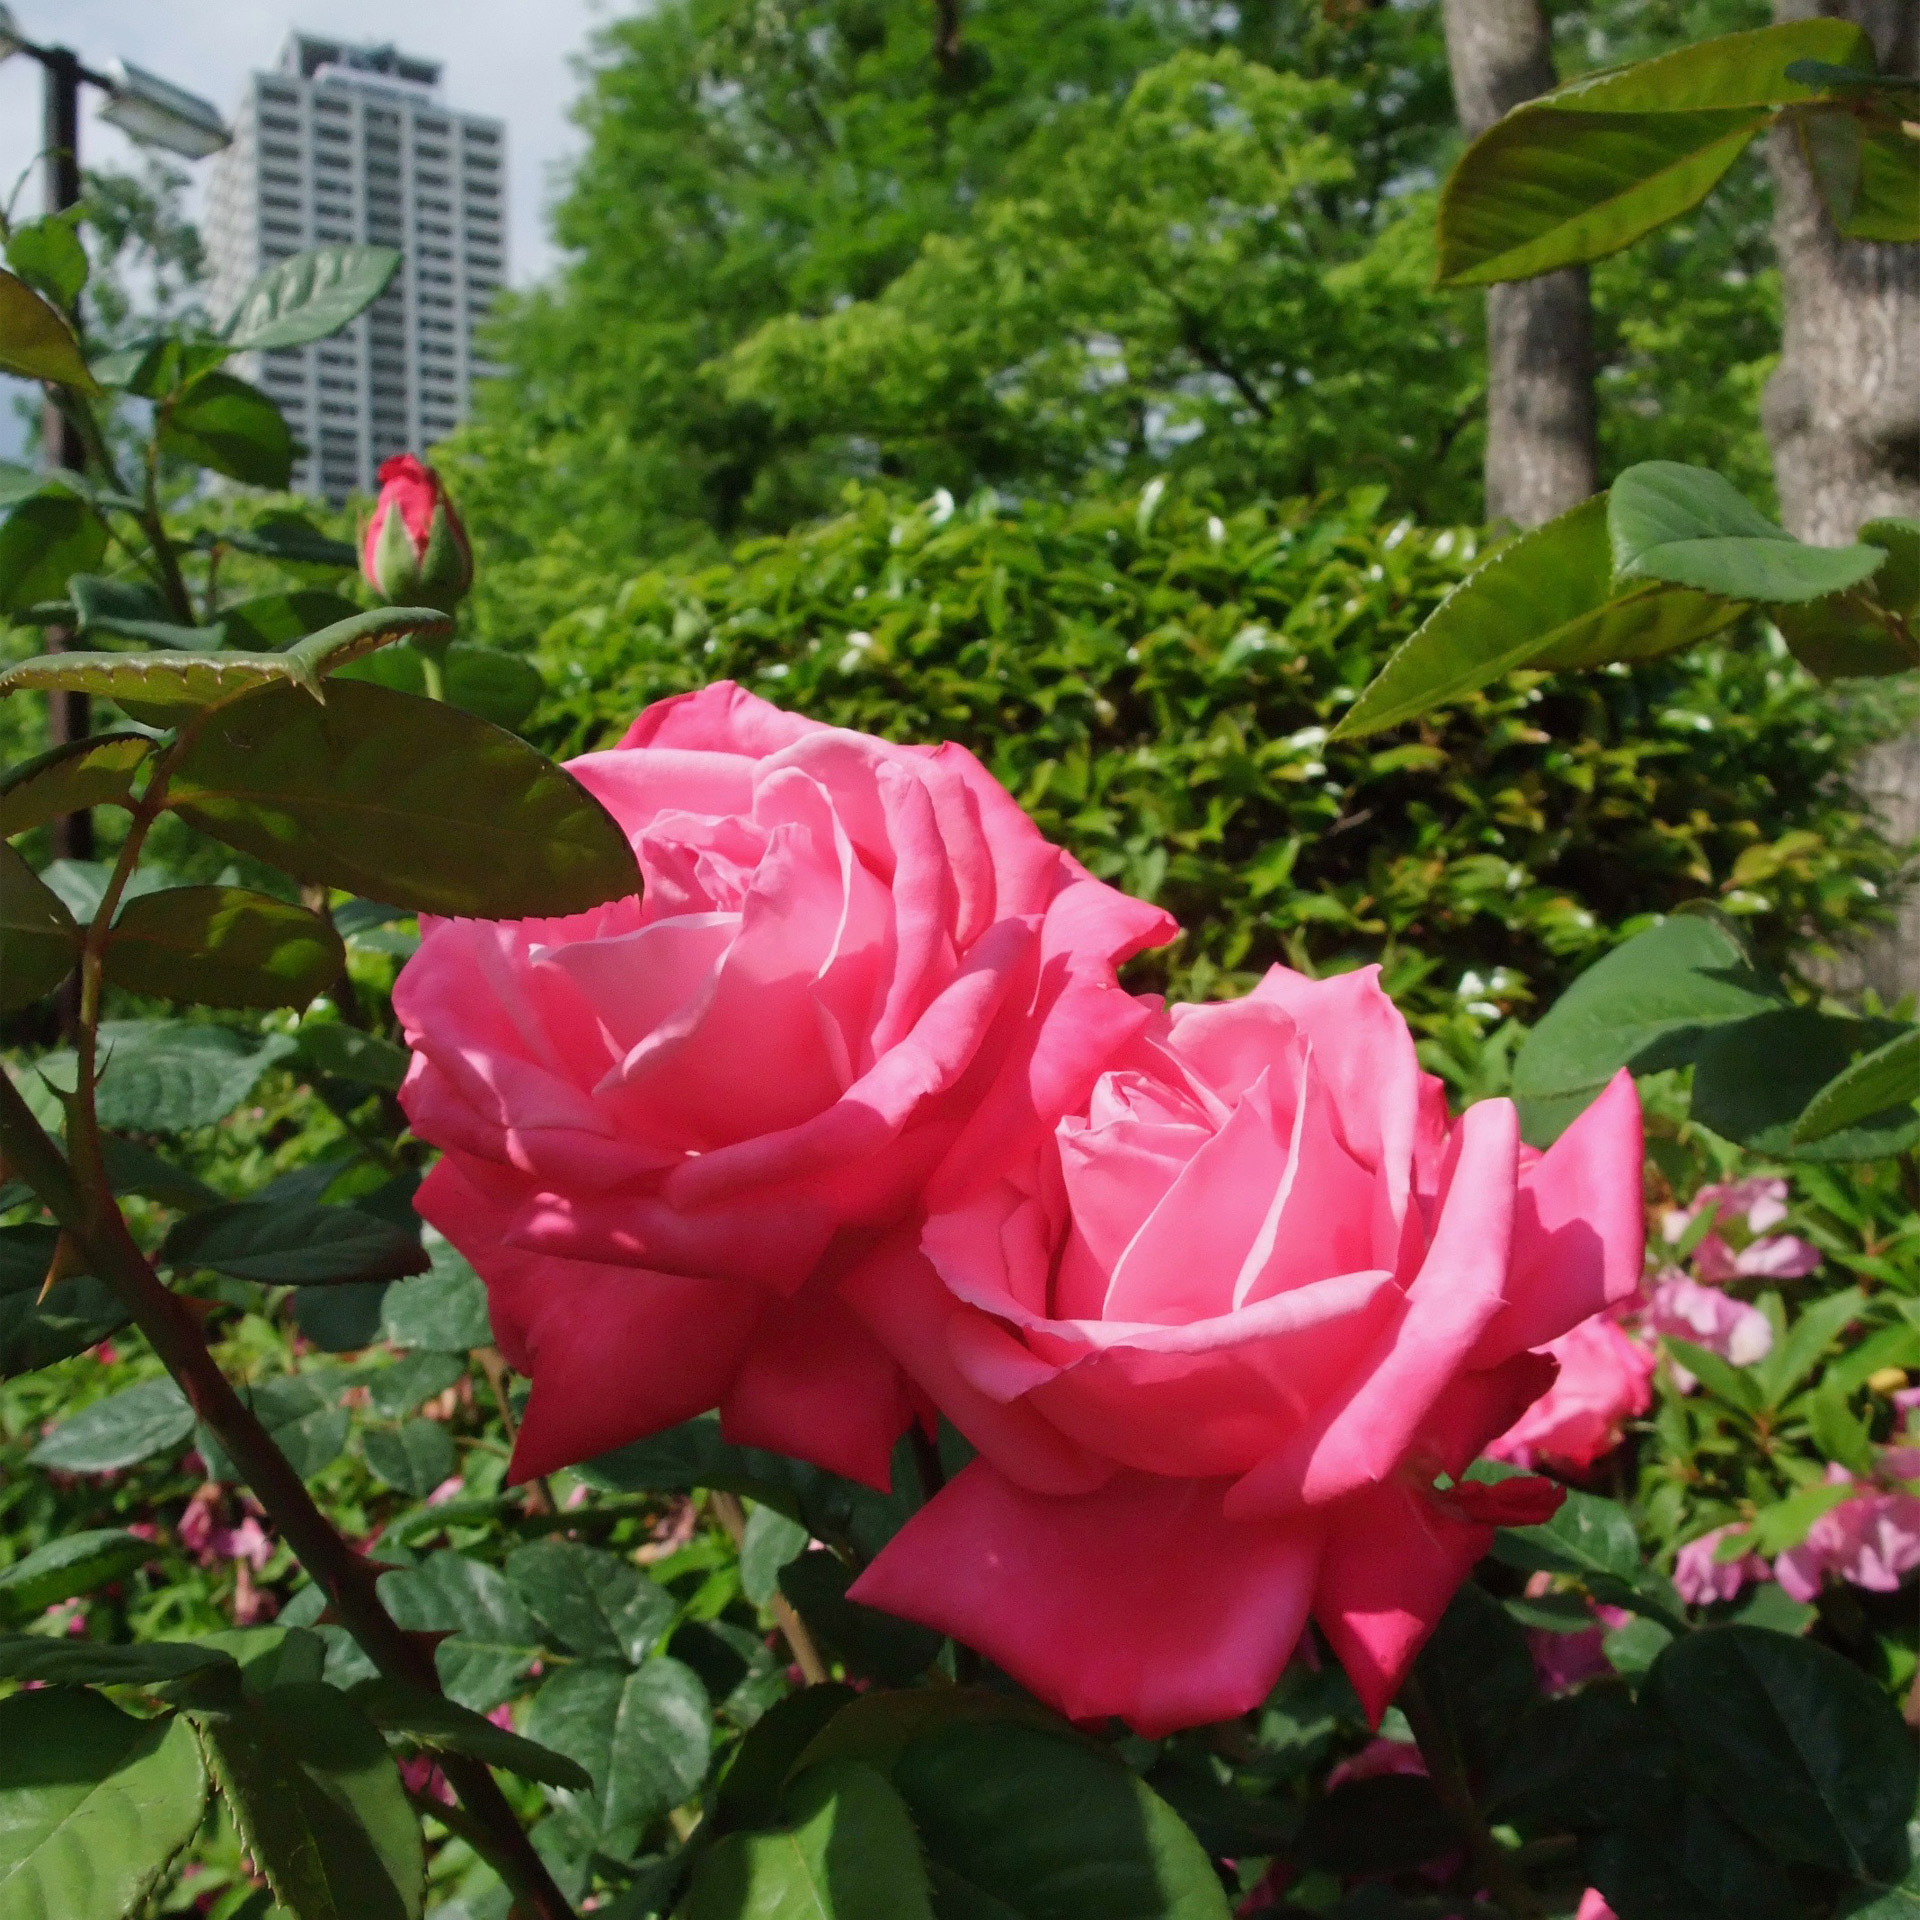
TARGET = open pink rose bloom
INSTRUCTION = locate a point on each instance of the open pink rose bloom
(848, 1120)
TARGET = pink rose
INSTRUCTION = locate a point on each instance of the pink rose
(1603, 1383)
(1217, 1334)
(1683, 1309)
(1700, 1576)
(670, 1123)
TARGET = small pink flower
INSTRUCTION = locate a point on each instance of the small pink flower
(1377, 1757)
(1871, 1540)
(1683, 1309)
(1563, 1660)
(1778, 1256)
(1593, 1906)
(248, 1541)
(450, 1488)
(1700, 1576)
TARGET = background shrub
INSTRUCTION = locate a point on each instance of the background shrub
(1155, 682)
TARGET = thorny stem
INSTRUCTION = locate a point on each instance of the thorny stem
(172, 581)
(80, 1198)
(726, 1508)
(1447, 1767)
(493, 1363)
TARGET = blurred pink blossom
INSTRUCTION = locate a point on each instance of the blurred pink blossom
(1593, 1906)
(1700, 1577)
(1602, 1384)
(1563, 1660)
(1870, 1540)
(449, 1489)
(1379, 1756)
(1685, 1310)
(1778, 1256)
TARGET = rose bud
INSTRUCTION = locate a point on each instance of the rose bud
(415, 553)
(1220, 1338)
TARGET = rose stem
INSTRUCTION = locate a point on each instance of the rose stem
(348, 1581)
(1447, 1768)
(727, 1509)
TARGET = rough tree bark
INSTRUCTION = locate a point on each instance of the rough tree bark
(1541, 454)
(1842, 416)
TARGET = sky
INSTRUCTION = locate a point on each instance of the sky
(511, 58)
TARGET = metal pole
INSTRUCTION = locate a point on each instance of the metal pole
(70, 717)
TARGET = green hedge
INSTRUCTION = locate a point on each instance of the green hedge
(1155, 681)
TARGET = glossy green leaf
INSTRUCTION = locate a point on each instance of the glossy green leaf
(879, 1725)
(77, 1662)
(1478, 1675)
(292, 539)
(1584, 1760)
(494, 1638)
(398, 1389)
(1813, 1330)
(47, 254)
(1837, 1432)
(1754, 1078)
(127, 1427)
(94, 1805)
(1879, 1081)
(771, 1541)
(1544, 599)
(845, 1851)
(1796, 1745)
(432, 1720)
(594, 1604)
(1648, 1004)
(444, 1311)
(1897, 584)
(309, 296)
(1846, 636)
(221, 422)
(293, 1245)
(301, 1413)
(273, 1656)
(345, 1053)
(271, 620)
(413, 1458)
(173, 684)
(168, 1076)
(36, 1331)
(132, 1168)
(1588, 168)
(1547, 187)
(1687, 1861)
(642, 1736)
(1884, 1903)
(72, 1563)
(1693, 528)
(44, 541)
(1050, 1828)
(887, 1649)
(501, 687)
(158, 364)
(39, 942)
(319, 1806)
(133, 610)
(223, 947)
(748, 1792)
(1886, 197)
(407, 800)
(95, 772)
(35, 342)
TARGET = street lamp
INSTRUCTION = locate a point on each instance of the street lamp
(158, 114)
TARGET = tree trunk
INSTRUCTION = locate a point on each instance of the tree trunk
(1541, 454)
(1842, 415)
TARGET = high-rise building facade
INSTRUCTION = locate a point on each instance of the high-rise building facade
(353, 143)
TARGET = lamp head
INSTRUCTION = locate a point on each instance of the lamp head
(159, 114)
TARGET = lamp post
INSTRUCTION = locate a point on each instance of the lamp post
(156, 113)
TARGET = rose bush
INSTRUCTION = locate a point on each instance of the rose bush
(670, 1123)
(1252, 1299)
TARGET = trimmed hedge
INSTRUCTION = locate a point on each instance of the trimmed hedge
(1155, 681)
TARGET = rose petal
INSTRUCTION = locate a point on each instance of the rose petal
(1138, 1599)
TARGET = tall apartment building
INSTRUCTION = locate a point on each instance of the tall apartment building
(353, 143)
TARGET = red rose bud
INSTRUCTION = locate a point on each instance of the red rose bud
(1522, 1501)
(415, 553)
